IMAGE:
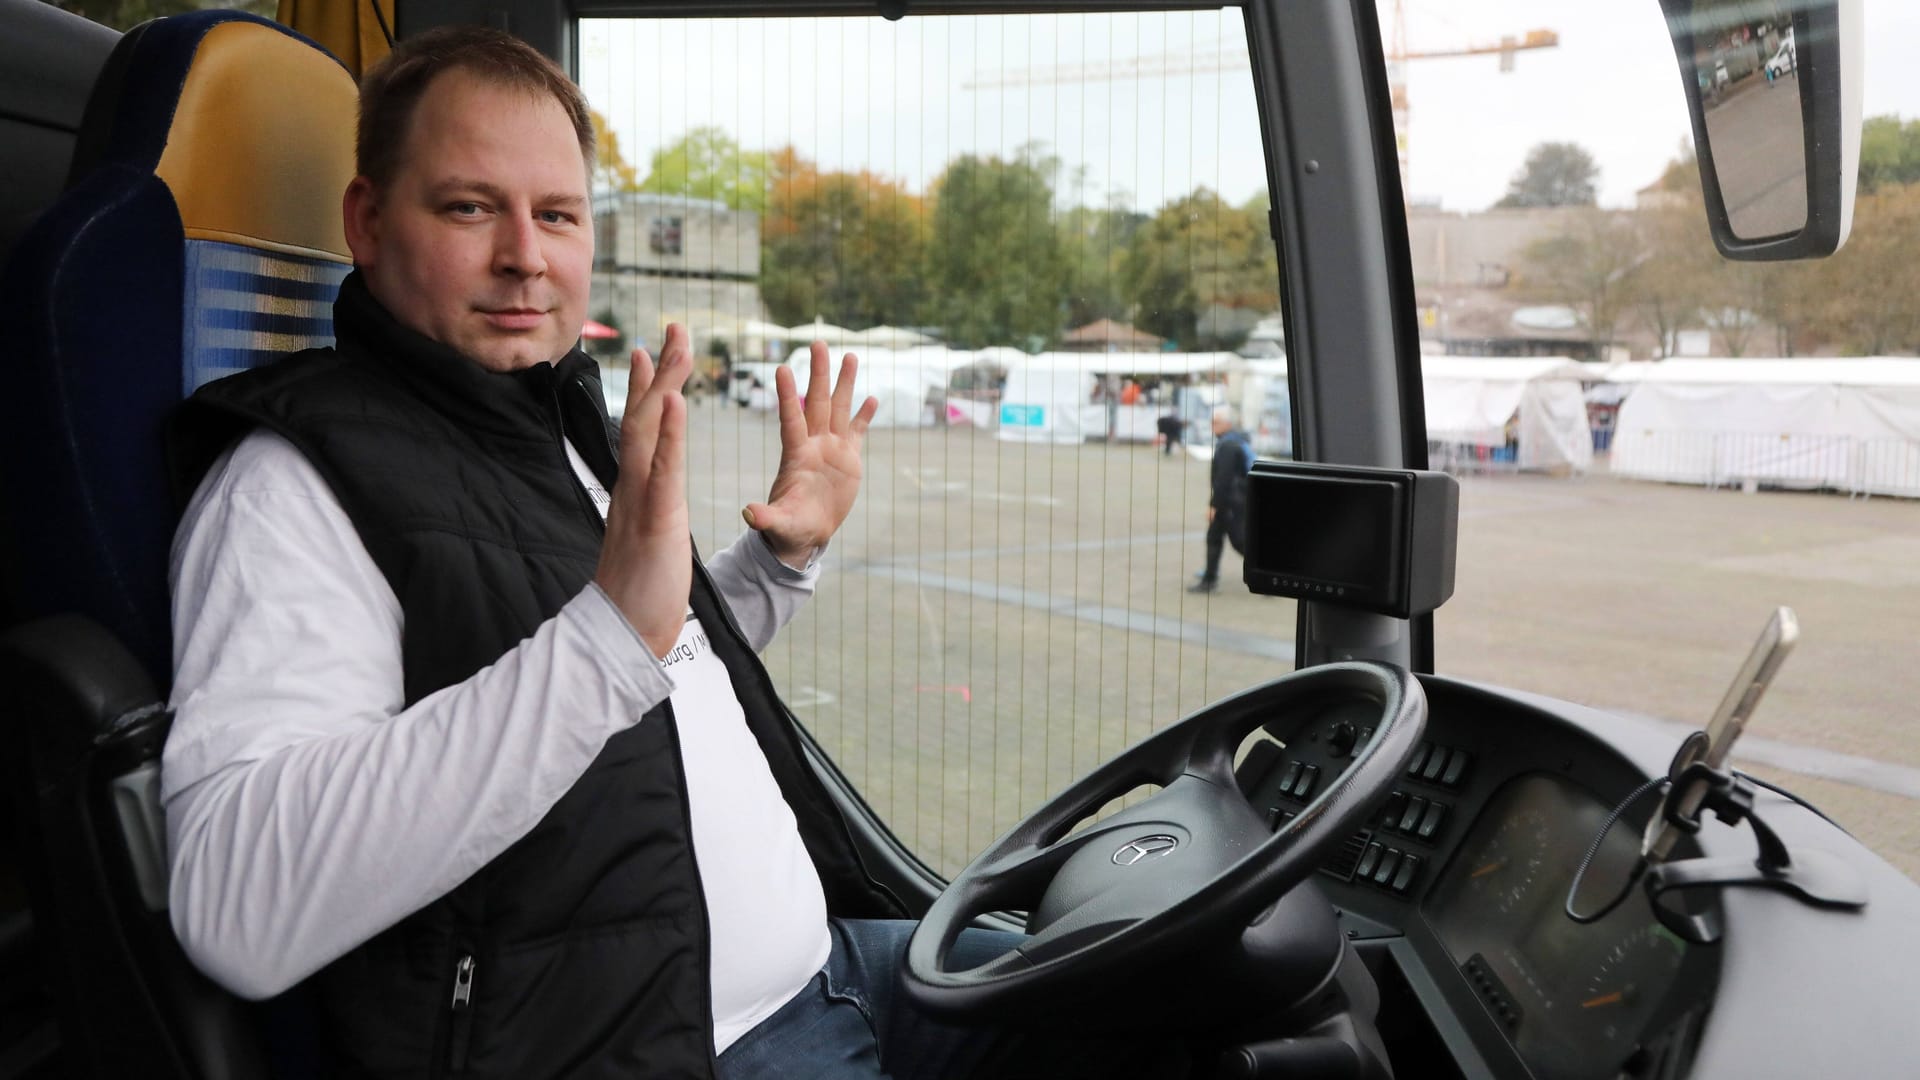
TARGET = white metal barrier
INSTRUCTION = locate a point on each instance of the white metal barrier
(1859, 467)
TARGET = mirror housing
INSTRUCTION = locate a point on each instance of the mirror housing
(1781, 183)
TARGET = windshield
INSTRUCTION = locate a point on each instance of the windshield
(1668, 445)
(1053, 277)
(1047, 238)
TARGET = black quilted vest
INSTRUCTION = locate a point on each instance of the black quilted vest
(581, 951)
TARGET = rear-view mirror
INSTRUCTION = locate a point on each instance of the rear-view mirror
(1774, 91)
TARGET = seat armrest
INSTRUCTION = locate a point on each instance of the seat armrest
(81, 731)
(73, 658)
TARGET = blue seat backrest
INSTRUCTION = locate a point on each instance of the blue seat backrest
(199, 234)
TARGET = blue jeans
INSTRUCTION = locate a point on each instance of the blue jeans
(850, 1022)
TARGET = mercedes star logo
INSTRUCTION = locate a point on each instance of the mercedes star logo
(1147, 847)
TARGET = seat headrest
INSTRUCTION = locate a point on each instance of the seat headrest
(254, 100)
(248, 124)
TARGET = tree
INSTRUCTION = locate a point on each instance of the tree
(1862, 299)
(1555, 174)
(845, 246)
(1889, 152)
(1668, 285)
(1739, 297)
(1197, 252)
(1096, 241)
(611, 171)
(706, 163)
(996, 265)
(1587, 267)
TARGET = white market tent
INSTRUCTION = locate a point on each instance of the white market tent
(901, 380)
(905, 380)
(1471, 399)
(758, 336)
(1049, 404)
(1846, 424)
(891, 337)
(821, 330)
(1049, 396)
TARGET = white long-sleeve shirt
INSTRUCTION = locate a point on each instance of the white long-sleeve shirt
(308, 811)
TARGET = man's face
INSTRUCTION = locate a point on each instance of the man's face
(483, 239)
(1221, 425)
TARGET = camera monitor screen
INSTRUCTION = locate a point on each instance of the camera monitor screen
(1379, 540)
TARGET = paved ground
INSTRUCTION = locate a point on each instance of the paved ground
(1000, 618)
(1758, 146)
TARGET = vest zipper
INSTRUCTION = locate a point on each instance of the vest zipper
(460, 1024)
(585, 501)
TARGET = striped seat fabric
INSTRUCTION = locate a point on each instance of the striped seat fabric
(247, 306)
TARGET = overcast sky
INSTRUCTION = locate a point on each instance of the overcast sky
(863, 93)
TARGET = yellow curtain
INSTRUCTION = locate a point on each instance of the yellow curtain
(349, 29)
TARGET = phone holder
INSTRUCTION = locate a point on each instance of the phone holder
(1814, 877)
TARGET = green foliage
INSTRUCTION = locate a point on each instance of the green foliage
(1857, 302)
(1200, 251)
(997, 268)
(706, 163)
(1862, 300)
(987, 256)
(845, 246)
(1555, 174)
(1095, 242)
(1670, 283)
(1889, 152)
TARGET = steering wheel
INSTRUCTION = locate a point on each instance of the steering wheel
(1193, 865)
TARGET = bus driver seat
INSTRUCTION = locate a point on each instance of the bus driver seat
(199, 233)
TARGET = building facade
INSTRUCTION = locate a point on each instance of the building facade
(670, 258)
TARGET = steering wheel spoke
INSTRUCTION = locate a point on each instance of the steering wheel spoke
(1016, 878)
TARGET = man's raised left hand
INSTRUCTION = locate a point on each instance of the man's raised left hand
(819, 474)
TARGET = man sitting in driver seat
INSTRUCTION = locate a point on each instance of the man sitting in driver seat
(463, 731)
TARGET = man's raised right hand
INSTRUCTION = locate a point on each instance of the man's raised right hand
(646, 559)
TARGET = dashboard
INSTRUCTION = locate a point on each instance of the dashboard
(1575, 1000)
(1459, 884)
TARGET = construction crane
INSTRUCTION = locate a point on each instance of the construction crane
(1398, 55)
(1220, 58)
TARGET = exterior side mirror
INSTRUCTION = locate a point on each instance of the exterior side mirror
(1773, 87)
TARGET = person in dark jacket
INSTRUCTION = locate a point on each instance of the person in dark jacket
(1169, 426)
(1227, 497)
(466, 735)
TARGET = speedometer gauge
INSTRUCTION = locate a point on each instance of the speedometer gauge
(1506, 870)
(1624, 987)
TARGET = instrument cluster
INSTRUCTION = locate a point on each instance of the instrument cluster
(1575, 999)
